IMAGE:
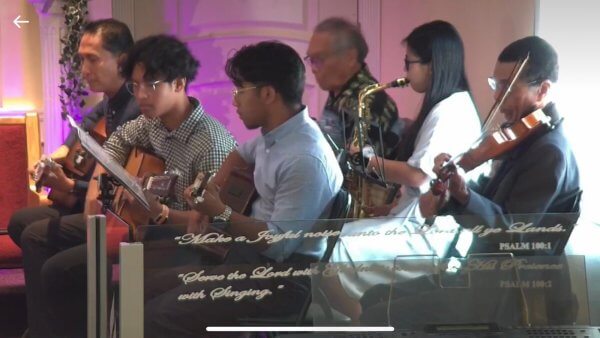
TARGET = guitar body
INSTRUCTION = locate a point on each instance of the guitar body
(76, 165)
(140, 164)
(78, 162)
(238, 192)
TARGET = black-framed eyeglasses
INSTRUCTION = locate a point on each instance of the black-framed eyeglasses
(135, 87)
(408, 62)
(499, 85)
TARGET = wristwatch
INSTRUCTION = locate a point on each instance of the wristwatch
(224, 216)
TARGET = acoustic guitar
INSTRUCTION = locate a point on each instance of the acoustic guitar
(150, 169)
(126, 213)
(238, 192)
(76, 165)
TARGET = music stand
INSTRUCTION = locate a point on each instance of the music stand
(115, 169)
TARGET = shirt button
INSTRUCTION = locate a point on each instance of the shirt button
(268, 151)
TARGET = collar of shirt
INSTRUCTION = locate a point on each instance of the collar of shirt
(351, 87)
(118, 102)
(286, 128)
(184, 131)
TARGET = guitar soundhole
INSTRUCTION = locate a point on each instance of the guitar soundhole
(235, 192)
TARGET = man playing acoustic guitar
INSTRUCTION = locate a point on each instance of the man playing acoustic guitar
(174, 127)
(296, 177)
(102, 50)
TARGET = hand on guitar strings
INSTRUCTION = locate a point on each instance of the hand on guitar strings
(56, 179)
(209, 202)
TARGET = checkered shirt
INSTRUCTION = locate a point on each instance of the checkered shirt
(199, 144)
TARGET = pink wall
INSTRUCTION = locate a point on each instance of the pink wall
(214, 29)
(20, 69)
(485, 27)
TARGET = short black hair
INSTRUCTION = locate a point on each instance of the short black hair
(346, 35)
(269, 63)
(116, 36)
(164, 57)
(543, 59)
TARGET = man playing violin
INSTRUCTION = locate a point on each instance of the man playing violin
(540, 174)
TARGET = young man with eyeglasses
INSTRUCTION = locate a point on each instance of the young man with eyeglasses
(336, 55)
(296, 177)
(174, 127)
(102, 49)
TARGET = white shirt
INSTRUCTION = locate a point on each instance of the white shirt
(452, 127)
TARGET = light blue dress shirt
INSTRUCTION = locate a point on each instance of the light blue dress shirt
(297, 177)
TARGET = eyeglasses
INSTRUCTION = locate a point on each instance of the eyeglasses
(499, 85)
(317, 61)
(408, 62)
(236, 91)
(134, 87)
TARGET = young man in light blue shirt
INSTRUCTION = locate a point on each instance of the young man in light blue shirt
(296, 177)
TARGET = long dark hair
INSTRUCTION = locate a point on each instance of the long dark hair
(439, 44)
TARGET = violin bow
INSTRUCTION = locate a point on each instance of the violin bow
(514, 76)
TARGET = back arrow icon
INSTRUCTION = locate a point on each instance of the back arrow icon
(16, 21)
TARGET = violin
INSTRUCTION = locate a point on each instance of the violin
(493, 144)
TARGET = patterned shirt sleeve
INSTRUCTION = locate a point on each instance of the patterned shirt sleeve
(211, 160)
(384, 114)
(132, 134)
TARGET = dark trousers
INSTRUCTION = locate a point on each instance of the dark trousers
(54, 265)
(166, 316)
(22, 218)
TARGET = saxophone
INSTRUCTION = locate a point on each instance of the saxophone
(367, 190)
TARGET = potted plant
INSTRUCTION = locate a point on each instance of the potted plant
(71, 84)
